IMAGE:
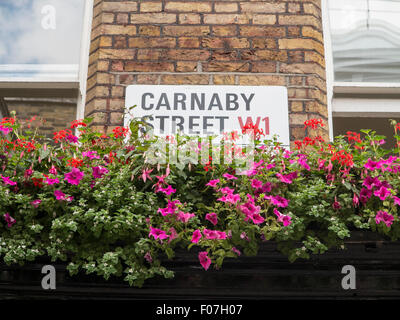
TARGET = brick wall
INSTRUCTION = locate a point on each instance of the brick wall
(230, 42)
(58, 113)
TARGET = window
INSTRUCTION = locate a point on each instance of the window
(365, 40)
(362, 41)
(44, 49)
(40, 39)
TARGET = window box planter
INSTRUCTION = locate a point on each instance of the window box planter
(268, 275)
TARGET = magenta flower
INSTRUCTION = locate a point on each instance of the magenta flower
(74, 177)
(196, 236)
(385, 217)
(168, 190)
(372, 165)
(302, 161)
(210, 234)
(213, 183)
(285, 219)
(236, 251)
(365, 195)
(173, 234)
(170, 209)
(205, 261)
(10, 220)
(51, 181)
(231, 198)
(226, 190)
(35, 203)
(249, 209)
(185, 217)
(278, 201)
(53, 170)
(396, 200)
(71, 138)
(212, 217)
(5, 130)
(90, 154)
(157, 233)
(214, 234)
(28, 173)
(229, 176)
(98, 172)
(336, 205)
(256, 183)
(382, 193)
(59, 195)
(256, 218)
(8, 181)
(370, 182)
(287, 178)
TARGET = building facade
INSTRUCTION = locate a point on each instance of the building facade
(339, 60)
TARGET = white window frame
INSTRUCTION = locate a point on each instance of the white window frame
(355, 99)
(53, 87)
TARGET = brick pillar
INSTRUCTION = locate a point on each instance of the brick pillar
(235, 42)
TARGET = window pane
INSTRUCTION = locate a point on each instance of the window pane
(40, 39)
(366, 40)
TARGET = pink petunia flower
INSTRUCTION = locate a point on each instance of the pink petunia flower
(285, 219)
(257, 218)
(236, 251)
(5, 130)
(35, 203)
(213, 183)
(168, 190)
(370, 182)
(256, 183)
(51, 181)
(8, 181)
(59, 195)
(212, 217)
(196, 236)
(157, 233)
(170, 209)
(71, 138)
(287, 178)
(214, 234)
(98, 172)
(10, 220)
(372, 165)
(205, 261)
(229, 176)
(74, 177)
(90, 154)
(383, 216)
(278, 201)
(185, 217)
(226, 190)
(396, 200)
(382, 193)
(365, 195)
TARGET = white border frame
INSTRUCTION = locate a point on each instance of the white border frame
(84, 59)
(329, 69)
